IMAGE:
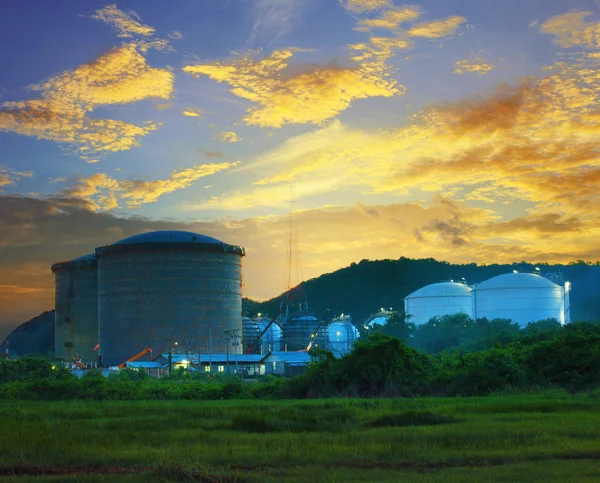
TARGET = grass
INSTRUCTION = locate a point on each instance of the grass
(545, 437)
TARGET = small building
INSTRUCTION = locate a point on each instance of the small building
(247, 365)
(295, 362)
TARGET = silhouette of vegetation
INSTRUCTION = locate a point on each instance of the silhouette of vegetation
(451, 356)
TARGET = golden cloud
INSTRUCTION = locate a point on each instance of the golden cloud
(63, 114)
(571, 30)
(107, 193)
(175, 35)
(360, 6)
(125, 24)
(391, 19)
(192, 112)
(476, 66)
(437, 29)
(312, 96)
(533, 145)
(229, 137)
(5, 180)
(9, 177)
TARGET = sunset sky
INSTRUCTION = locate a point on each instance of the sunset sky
(463, 130)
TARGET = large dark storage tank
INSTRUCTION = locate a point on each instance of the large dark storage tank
(76, 304)
(167, 290)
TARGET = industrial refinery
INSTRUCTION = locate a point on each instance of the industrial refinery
(519, 296)
(175, 292)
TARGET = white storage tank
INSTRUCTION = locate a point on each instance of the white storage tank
(437, 300)
(521, 297)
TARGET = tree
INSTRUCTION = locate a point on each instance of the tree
(397, 325)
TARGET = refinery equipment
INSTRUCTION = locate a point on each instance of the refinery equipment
(300, 329)
(251, 332)
(147, 350)
(339, 336)
(167, 289)
(437, 300)
(271, 341)
(521, 297)
(76, 304)
(378, 318)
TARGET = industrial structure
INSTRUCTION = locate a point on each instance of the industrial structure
(165, 289)
(339, 336)
(519, 296)
(522, 298)
(76, 314)
(251, 331)
(436, 300)
(271, 340)
(300, 328)
(378, 318)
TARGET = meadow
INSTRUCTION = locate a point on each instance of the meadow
(538, 437)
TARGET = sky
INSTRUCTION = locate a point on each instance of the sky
(462, 130)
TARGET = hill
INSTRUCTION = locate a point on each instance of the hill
(362, 288)
(35, 336)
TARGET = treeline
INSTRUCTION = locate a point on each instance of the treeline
(541, 356)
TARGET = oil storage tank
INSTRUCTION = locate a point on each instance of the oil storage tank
(251, 332)
(271, 341)
(340, 335)
(521, 297)
(437, 300)
(76, 309)
(168, 290)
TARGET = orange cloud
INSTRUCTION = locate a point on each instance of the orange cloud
(9, 177)
(107, 193)
(125, 24)
(360, 6)
(533, 146)
(476, 66)
(229, 137)
(391, 19)
(437, 29)
(62, 114)
(571, 30)
(312, 96)
(192, 112)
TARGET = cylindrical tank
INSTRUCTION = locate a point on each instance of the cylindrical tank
(169, 290)
(271, 341)
(251, 331)
(299, 332)
(437, 300)
(520, 297)
(76, 309)
(340, 336)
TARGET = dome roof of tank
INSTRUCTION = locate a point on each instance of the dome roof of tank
(88, 260)
(442, 289)
(169, 236)
(168, 240)
(516, 280)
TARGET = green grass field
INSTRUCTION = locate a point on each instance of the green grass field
(544, 437)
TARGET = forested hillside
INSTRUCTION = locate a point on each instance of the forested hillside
(362, 288)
